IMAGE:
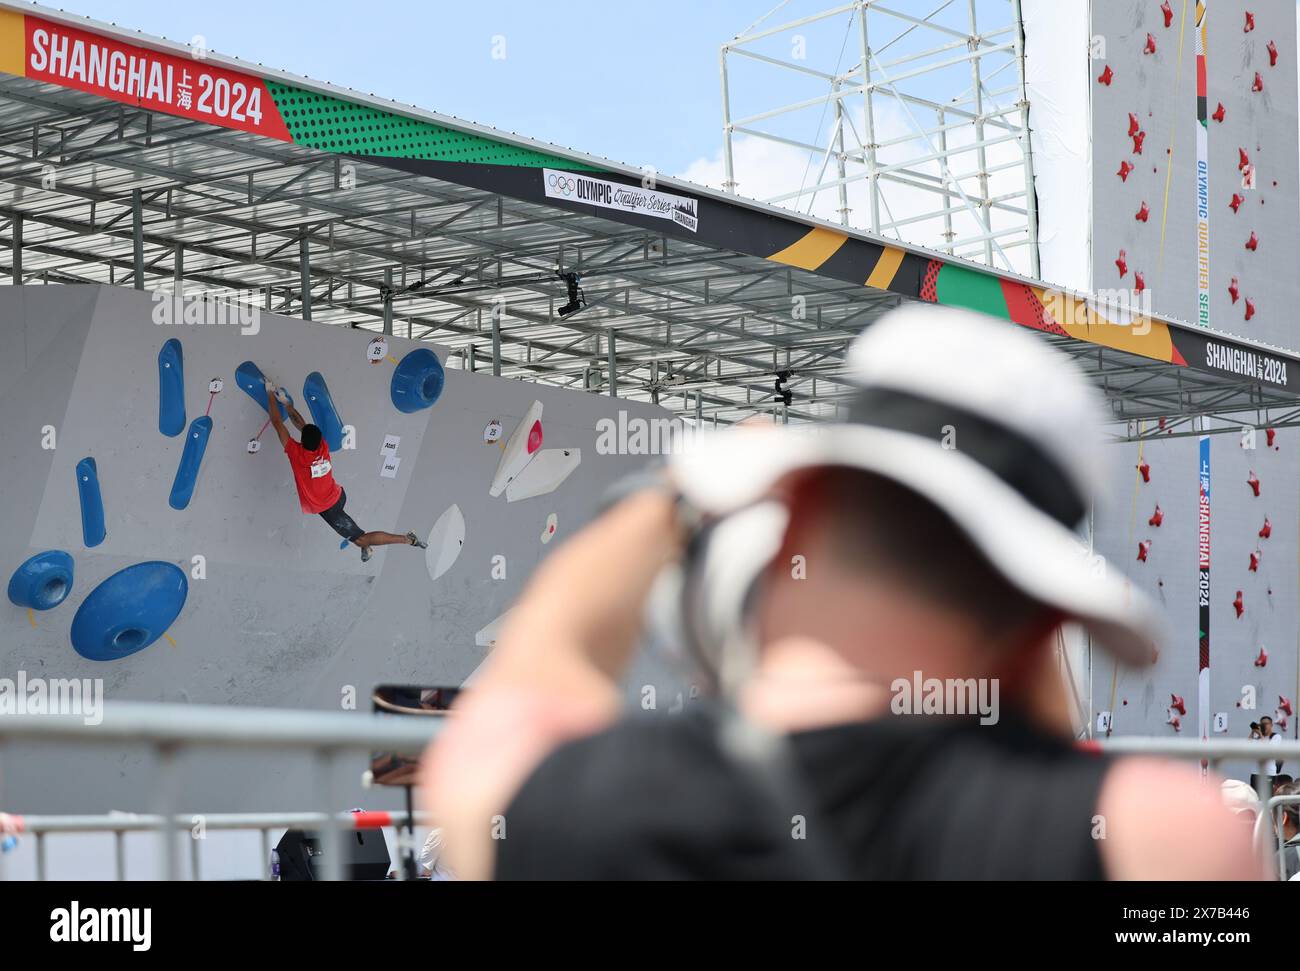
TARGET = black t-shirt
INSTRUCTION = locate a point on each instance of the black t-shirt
(897, 798)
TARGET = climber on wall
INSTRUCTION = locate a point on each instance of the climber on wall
(312, 474)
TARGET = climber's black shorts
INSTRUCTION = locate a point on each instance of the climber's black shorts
(340, 521)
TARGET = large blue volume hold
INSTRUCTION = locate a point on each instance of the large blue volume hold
(92, 503)
(323, 413)
(171, 389)
(249, 377)
(129, 611)
(42, 582)
(187, 473)
(417, 381)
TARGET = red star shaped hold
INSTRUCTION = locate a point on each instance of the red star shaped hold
(1252, 244)
(1250, 308)
(1177, 704)
(1143, 214)
(1139, 282)
(1253, 482)
(1106, 76)
(1234, 290)
(1266, 530)
(1157, 517)
(1239, 604)
(1272, 434)
(1242, 159)
(1218, 114)
(1284, 704)
(1259, 83)
(1262, 659)
(1133, 126)
(1145, 469)
(1124, 170)
(1143, 549)
(1237, 200)
(1254, 562)
(1138, 139)
(1122, 263)
(1250, 23)
(1150, 47)
(1168, 12)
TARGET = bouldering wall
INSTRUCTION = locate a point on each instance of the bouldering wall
(248, 601)
(1148, 526)
(1194, 145)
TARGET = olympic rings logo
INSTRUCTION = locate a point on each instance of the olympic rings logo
(562, 184)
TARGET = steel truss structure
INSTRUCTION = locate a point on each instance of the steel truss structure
(931, 105)
(93, 190)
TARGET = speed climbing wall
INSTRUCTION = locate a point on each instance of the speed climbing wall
(268, 610)
(1194, 160)
(1148, 526)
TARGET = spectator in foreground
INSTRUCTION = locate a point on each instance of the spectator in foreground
(1290, 828)
(874, 554)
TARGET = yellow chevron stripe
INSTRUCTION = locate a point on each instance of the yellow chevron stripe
(883, 274)
(811, 251)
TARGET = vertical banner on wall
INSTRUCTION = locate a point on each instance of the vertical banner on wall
(1203, 546)
(1202, 173)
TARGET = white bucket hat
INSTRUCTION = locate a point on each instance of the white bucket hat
(988, 423)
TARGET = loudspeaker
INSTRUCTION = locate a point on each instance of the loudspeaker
(302, 855)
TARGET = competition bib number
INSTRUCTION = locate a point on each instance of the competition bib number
(320, 468)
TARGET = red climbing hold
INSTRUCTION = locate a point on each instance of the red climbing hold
(1138, 139)
(1144, 213)
(1143, 549)
(1259, 83)
(1254, 562)
(1106, 76)
(1250, 23)
(1145, 469)
(1252, 244)
(1253, 482)
(1124, 170)
(1168, 11)
(1239, 604)
(1234, 290)
(1261, 660)
(1157, 517)
(1133, 126)
(1122, 263)
(1242, 159)
(1266, 530)
(1284, 704)
(1176, 704)
(1272, 54)
(1218, 114)
(1176, 722)
(1250, 308)
(1272, 434)
(1139, 282)
(1150, 47)
(1237, 200)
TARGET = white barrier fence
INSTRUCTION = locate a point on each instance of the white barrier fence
(327, 735)
(170, 729)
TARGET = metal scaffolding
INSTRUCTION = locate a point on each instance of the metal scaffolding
(929, 123)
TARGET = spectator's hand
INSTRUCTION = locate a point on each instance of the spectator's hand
(10, 825)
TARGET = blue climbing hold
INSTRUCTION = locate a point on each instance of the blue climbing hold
(42, 582)
(323, 413)
(187, 473)
(417, 381)
(129, 611)
(92, 503)
(171, 389)
(249, 377)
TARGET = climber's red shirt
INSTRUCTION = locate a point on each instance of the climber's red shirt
(312, 474)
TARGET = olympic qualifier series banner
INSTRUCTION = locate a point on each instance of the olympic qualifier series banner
(576, 187)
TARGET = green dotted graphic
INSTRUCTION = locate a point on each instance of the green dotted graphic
(335, 125)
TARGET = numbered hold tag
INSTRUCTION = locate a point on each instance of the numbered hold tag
(215, 386)
(254, 446)
(376, 350)
(1221, 722)
(1103, 722)
(492, 431)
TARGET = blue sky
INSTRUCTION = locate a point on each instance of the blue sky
(636, 82)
